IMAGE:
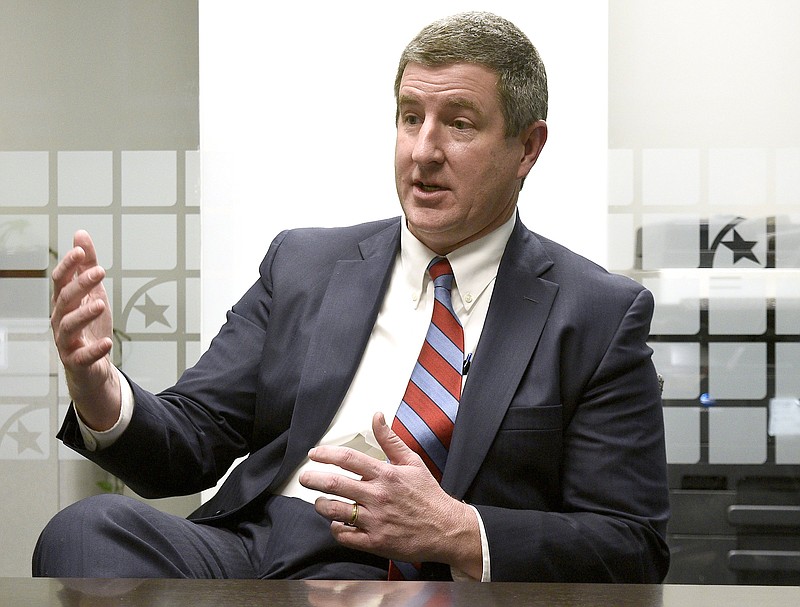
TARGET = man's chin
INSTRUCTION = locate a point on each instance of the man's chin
(437, 236)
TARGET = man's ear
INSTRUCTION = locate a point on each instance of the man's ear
(533, 139)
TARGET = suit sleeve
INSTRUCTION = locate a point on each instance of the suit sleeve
(611, 523)
(184, 439)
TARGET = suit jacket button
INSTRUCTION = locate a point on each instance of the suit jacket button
(218, 512)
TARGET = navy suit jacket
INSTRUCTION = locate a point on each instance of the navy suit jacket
(559, 440)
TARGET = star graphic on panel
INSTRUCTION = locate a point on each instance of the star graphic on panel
(742, 249)
(153, 312)
(25, 438)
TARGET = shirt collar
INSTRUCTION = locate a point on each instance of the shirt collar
(474, 265)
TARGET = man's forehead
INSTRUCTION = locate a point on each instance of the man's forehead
(457, 84)
(452, 66)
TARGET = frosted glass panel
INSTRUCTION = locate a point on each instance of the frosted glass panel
(737, 242)
(26, 368)
(787, 449)
(737, 370)
(149, 178)
(152, 305)
(737, 176)
(23, 242)
(85, 179)
(148, 242)
(192, 305)
(787, 176)
(192, 182)
(677, 304)
(24, 179)
(192, 242)
(620, 177)
(621, 232)
(682, 428)
(24, 298)
(679, 363)
(99, 121)
(737, 435)
(787, 241)
(670, 241)
(151, 363)
(27, 434)
(787, 304)
(670, 177)
(737, 305)
(787, 371)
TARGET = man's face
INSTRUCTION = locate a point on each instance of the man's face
(456, 172)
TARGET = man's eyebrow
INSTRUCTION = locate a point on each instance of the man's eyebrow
(407, 100)
(463, 102)
(453, 102)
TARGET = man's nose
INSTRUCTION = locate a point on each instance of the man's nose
(428, 146)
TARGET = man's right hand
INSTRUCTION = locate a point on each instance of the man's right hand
(82, 328)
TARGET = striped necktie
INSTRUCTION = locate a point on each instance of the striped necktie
(427, 413)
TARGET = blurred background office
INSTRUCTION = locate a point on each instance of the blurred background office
(184, 135)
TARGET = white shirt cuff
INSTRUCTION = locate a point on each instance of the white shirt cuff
(95, 440)
(459, 576)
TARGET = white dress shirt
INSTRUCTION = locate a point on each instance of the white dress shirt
(392, 349)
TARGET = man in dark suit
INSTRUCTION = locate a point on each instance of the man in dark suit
(555, 469)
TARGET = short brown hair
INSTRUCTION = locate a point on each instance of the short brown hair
(486, 39)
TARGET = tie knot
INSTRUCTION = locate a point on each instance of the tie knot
(441, 272)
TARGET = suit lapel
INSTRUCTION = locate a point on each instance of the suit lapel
(517, 314)
(346, 317)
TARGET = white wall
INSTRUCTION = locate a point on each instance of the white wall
(704, 73)
(297, 123)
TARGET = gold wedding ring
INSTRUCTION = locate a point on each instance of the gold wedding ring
(354, 516)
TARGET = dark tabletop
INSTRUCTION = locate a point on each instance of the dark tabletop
(26, 592)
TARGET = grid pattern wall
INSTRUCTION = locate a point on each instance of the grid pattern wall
(715, 235)
(142, 210)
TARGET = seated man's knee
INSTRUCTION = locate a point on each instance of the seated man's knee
(73, 534)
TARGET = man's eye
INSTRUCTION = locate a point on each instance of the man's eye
(411, 119)
(460, 124)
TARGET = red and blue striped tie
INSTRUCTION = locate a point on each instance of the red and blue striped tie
(427, 413)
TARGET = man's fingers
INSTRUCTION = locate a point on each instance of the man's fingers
(334, 483)
(68, 293)
(91, 352)
(347, 513)
(392, 445)
(82, 256)
(74, 310)
(346, 458)
(67, 268)
(84, 241)
(68, 327)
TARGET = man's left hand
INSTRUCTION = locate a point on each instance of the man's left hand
(403, 513)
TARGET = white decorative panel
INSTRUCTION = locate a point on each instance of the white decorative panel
(682, 434)
(737, 435)
(85, 179)
(671, 177)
